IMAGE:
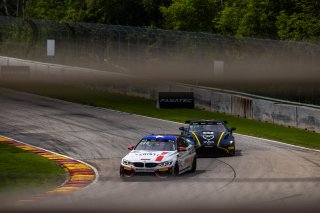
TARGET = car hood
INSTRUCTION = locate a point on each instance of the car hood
(208, 136)
(150, 156)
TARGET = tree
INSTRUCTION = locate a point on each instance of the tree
(284, 19)
(153, 11)
(191, 15)
(250, 17)
(12, 8)
(5, 6)
(20, 8)
(300, 23)
(45, 9)
(123, 12)
(227, 23)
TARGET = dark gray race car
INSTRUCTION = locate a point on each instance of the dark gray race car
(209, 135)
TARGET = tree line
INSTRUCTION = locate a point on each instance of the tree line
(270, 19)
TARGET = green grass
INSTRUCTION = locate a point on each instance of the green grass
(147, 107)
(22, 171)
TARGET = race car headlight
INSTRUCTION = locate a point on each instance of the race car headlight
(166, 163)
(231, 142)
(126, 162)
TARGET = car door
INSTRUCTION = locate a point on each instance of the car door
(184, 156)
(191, 154)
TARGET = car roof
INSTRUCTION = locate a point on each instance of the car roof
(196, 121)
(163, 137)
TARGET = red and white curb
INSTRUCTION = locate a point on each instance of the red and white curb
(79, 173)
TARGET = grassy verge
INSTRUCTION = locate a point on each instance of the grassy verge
(148, 107)
(22, 171)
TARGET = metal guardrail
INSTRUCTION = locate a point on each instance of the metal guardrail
(247, 95)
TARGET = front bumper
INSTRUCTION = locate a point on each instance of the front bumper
(131, 170)
(213, 149)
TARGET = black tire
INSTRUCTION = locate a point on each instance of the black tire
(124, 174)
(233, 151)
(194, 164)
(176, 169)
(121, 172)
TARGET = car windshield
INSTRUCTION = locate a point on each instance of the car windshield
(156, 145)
(207, 127)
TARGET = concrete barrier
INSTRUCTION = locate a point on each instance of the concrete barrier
(308, 119)
(178, 88)
(285, 114)
(221, 102)
(216, 100)
(241, 106)
(14, 72)
(202, 98)
(262, 110)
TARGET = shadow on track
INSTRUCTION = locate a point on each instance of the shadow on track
(218, 154)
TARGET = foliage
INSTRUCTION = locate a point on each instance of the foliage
(123, 12)
(275, 19)
(301, 23)
(59, 10)
(191, 15)
(250, 18)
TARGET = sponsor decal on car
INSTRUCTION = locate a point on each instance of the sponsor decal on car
(160, 157)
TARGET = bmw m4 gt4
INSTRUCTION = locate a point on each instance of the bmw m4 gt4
(162, 155)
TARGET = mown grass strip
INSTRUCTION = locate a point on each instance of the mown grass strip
(22, 171)
(147, 107)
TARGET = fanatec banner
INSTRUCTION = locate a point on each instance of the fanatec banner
(176, 100)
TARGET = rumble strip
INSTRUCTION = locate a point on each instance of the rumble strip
(79, 174)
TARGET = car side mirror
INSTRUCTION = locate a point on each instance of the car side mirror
(182, 149)
(130, 147)
(182, 128)
(233, 129)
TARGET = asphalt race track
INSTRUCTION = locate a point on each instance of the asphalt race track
(262, 176)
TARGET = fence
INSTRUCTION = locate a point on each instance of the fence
(162, 54)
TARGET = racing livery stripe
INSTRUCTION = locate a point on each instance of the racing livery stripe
(161, 156)
(220, 138)
(218, 145)
(196, 138)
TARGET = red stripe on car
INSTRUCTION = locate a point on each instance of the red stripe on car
(161, 156)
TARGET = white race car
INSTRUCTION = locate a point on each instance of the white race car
(162, 155)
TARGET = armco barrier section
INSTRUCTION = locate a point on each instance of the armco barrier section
(275, 111)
